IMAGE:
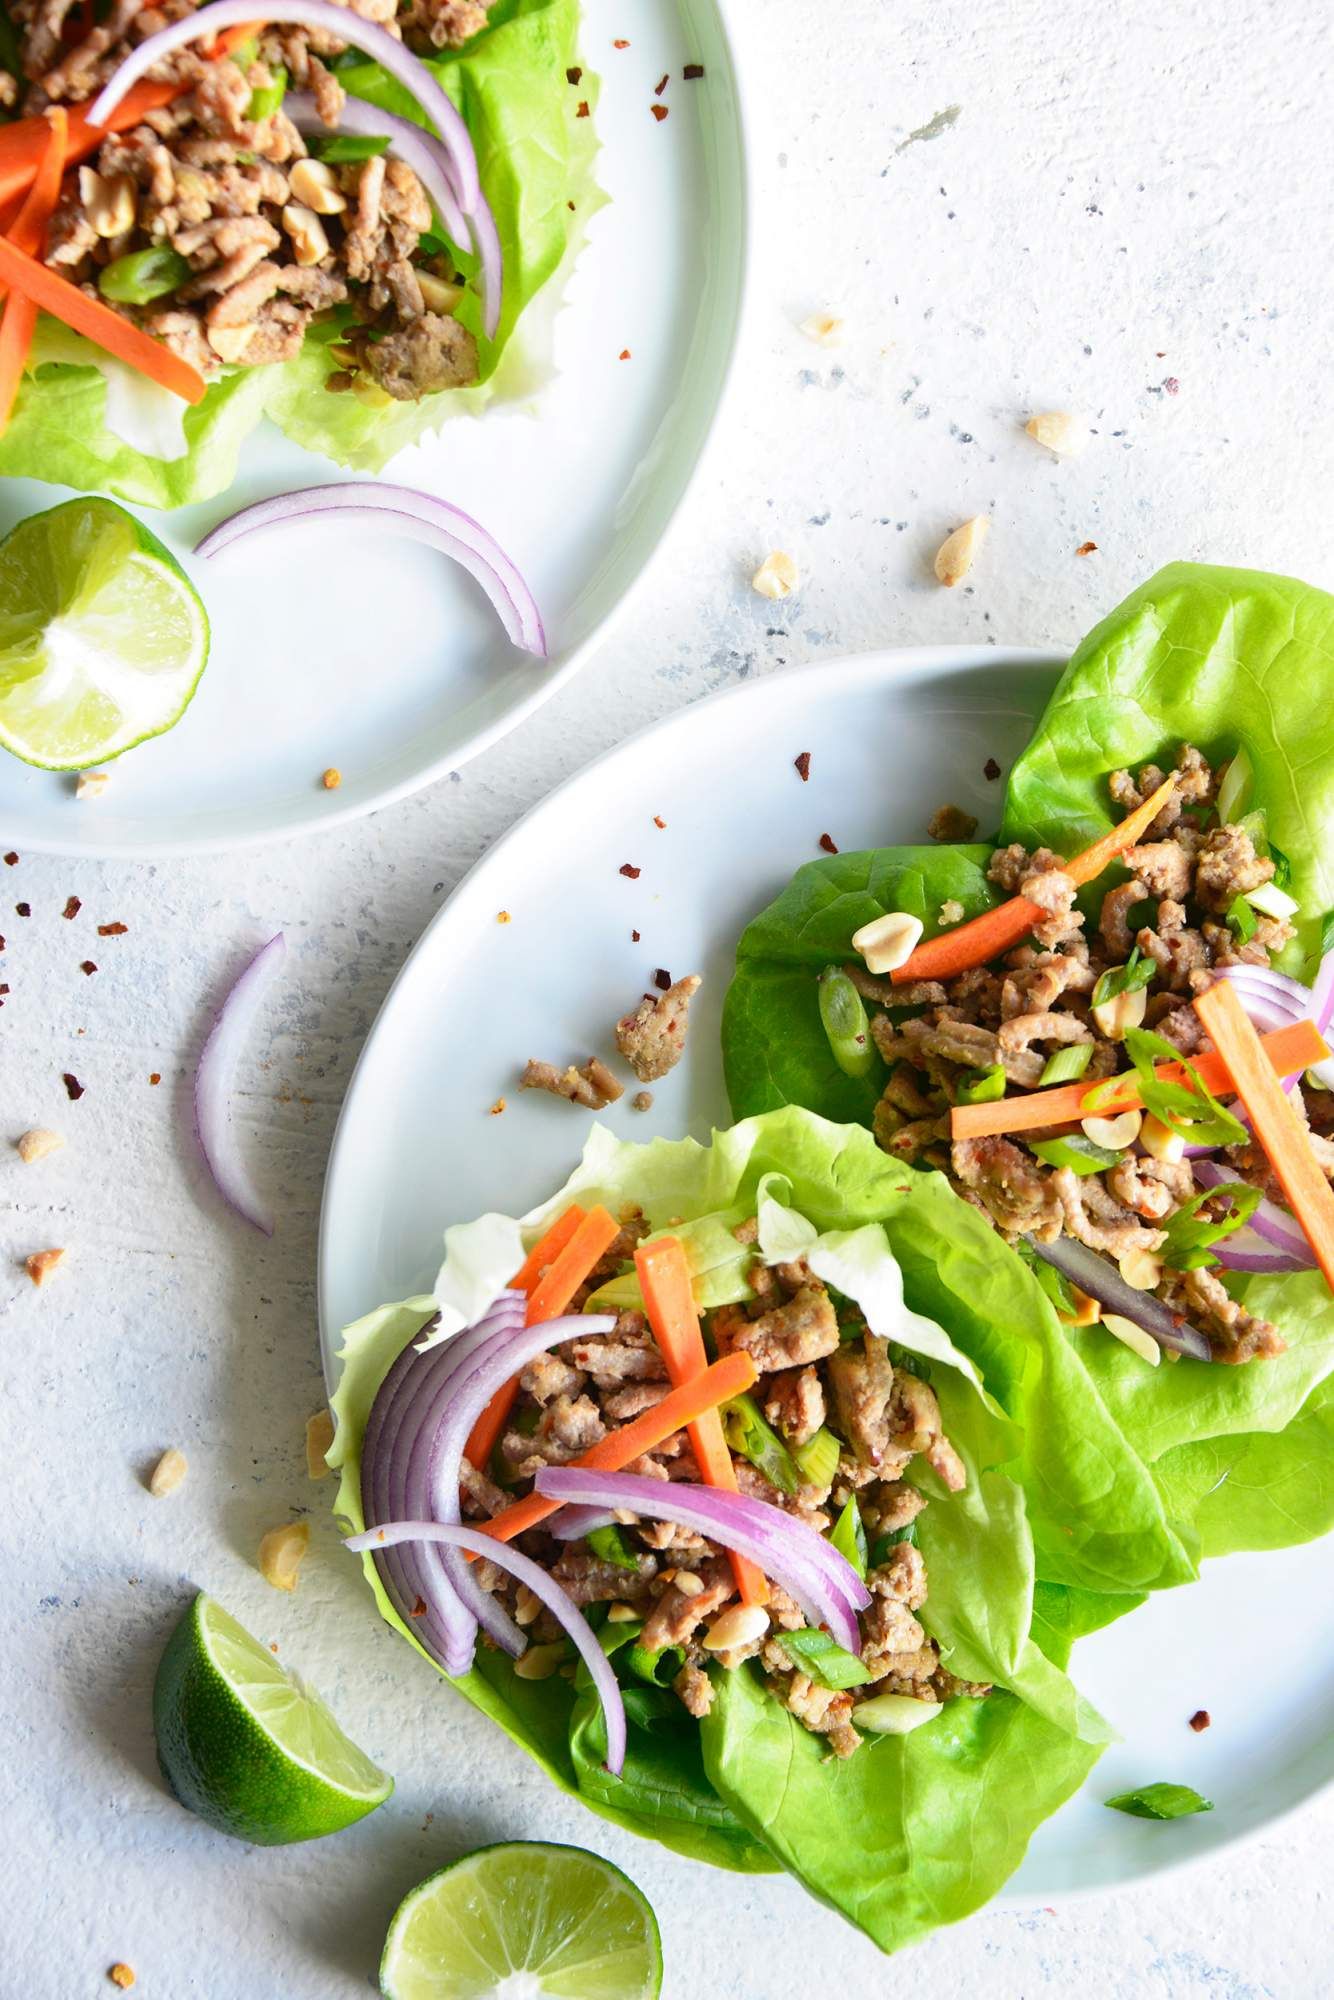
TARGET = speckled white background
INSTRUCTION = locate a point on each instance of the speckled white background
(1124, 211)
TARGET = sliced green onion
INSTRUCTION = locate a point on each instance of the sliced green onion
(849, 1536)
(1128, 978)
(1255, 825)
(1241, 919)
(268, 98)
(143, 275)
(611, 1546)
(1161, 1801)
(981, 1086)
(894, 1714)
(1282, 867)
(817, 1459)
(658, 1665)
(1327, 932)
(1067, 1065)
(1076, 1152)
(844, 1020)
(344, 149)
(1272, 901)
(884, 1543)
(747, 1433)
(1054, 1283)
(1190, 1235)
(823, 1658)
(1191, 1110)
(1235, 788)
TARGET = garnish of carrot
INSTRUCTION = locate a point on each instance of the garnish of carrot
(1286, 1051)
(96, 322)
(23, 143)
(731, 1376)
(998, 930)
(28, 234)
(664, 1279)
(1273, 1117)
(551, 1274)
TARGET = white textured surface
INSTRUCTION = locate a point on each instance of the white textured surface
(1129, 196)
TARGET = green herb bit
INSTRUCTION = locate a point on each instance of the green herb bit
(1282, 875)
(884, 1543)
(658, 1665)
(981, 1086)
(1191, 1234)
(1067, 1065)
(1076, 1152)
(817, 1459)
(344, 149)
(1135, 974)
(611, 1546)
(143, 275)
(823, 1658)
(1161, 1801)
(1241, 919)
(844, 1020)
(747, 1432)
(849, 1536)
(1327, 932)
(268, 98)
(1189, 1109)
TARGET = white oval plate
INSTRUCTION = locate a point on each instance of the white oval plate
(891, 736)
(331, 647)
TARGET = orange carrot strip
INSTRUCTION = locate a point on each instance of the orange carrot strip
(664, 1279)
(1273, 1117)
(560, 1263)
(731, 1376)
(1287, 1050)
(29, 234)
(23, 143)
(96, 322)
(995, 931)
(16, 332)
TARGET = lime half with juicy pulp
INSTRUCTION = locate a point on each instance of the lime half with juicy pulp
(524, 1921)
(103, 636)
(242, 1743)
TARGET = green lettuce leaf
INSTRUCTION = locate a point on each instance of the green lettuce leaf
(1259, 1489)
(535, 157)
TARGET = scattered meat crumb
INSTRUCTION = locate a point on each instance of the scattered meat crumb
(642, 1101)
(91, 784)
(120, 1974)
(991, 770)
(653, 1038)
(503, 917)
(86, 965)
(951, 823)
(662, 979)
(593, 1085)
(497, 1108)
(582, 109)
(1087, 549)
(659, 111)
(155, 1076)
(1200, 1720)
(38, 1144)
(112, 930)
(23, 909)
(628, 868)
(661, 84)
(332, 778)
(574, 75)
(829, 844)
(72, 908)
(803, 766)
(73, 1088)
(660, 822)
(42, 1264)
(692, 72)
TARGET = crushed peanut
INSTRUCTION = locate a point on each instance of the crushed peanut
(527, 1605)
(42, 1264)
(954, 557)
(951, 912)
(620, 1613)
(229, 343)
(319, 1437)
(503, 917)
(688, 1583)
(1060, 431)
(824, 328)
(497, 1107)
(777, 576)
(91, 784)
(168, 1473)
(282, 1552)
(37, 1144)
(314, 186)
(332, 778)
(120, 1974)
(539, 1663)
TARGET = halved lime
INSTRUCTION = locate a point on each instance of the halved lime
(242, 1743)
(524, 1921)
(103, 636)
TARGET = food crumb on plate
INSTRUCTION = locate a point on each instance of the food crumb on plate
(43, 1264)
(653, 1037)
(112, 930)
(828, 843)
(620, 43)
(662, 84)
(11, 859)
(692, 72)
(642, 1101)
(581, 110)
(71, 909)
(1200, 1720)
(574, 75)
(951, 825)
(659, 111)
(496, 1108)
(634, 937)
(332, 778)
(282, 1552)
(991, 770)
(23, 909)
(1087, 549)
(38, 1144)
(592, 1085)
(628, 868)
(91, 784)
(662, 979)
(802, 764)
(824, 328)
(120, 1974)
(155, 1076)
(73, 1088)
(777, 576)
(503, 917)
(660, 822)
(624, 354)
(86, 966)
(168, 1473)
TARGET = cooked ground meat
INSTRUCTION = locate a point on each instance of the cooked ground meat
(794, 1403)
(951, 824)
(593, 1085)
(652, 1039)
(803, 1330)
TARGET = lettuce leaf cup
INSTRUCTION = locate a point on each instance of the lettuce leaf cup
(769, 1766)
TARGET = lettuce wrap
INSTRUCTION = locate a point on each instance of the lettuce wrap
(87, 421)
(1131, 1474)
(942, 1816)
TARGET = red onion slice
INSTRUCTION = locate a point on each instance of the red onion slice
(215, 1079)
(486, 241)
(420, 150)
(1103, 1282)
(419, 516)
(573, 1523)
(1270, 1222)
(806, 1566)
(345, 26)
(558, 1602)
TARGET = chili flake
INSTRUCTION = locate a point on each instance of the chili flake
(497, 1107)
(620, 44)
(662, 84)
(72, 908)
(991, 769)
(692, 72)
(1200, 1720)
(10, 858)
(503, 917)
(73, 1088)
(573, 75)
(112, 930)
(154, 1076)
(1086, 549)
(803, 765)
(581, 109)
(624, 354)
(662, 979)
(628, 868)
(659, 111)
(634, 939)
(88, 967)
(659, 822)
(828, 843)
(23, 909)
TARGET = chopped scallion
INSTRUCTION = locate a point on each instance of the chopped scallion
(817, 1459)
(143, 275)
(1160, 1801)
(823, 1658)
(1190, 1235)
(1189, 1109)
(844, 1020)
(747, 1433)
(611, 1546)
(849, 1536)
(981, 1086)
(1241, 919)
(1128, 978)
(1066, 1065)
(344, 149)
(1075, 1151)
(268, 98)
(884, 1543)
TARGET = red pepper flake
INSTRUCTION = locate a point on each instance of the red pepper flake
(574, 75)
(1200, 1720)
(627, 868)
(73, 1088)
(154, 1076)
(1172, 386)
(662, 979)
(72, 908)
(624, 354)
(662, 84)
(693, 72)
(10, 858)
(620, 45)
(634, 939)
(803, 765)
(112, 930)
(659, 111)
(1087, 549)
(660, 823)
(991, 769)
(23, 909)
(419, 1609)
(4, 989)
(581, 110)
(88, 967)
(2, 944)
(828, 843)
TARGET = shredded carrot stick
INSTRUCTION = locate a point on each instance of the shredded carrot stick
(994, 931)
(28, 233)
(731, 1376)
(23, 143)
(1273, 1117)
(231, 38)
(96, 322)
(551, 1274)
(1287, 1050)
(664, 1279)
(16, 332)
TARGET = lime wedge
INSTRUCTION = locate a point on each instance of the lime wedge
(524, 1921)
(103, 637)
(245, 1746)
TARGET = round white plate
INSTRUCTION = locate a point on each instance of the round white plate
(331, 647)
(891, 736)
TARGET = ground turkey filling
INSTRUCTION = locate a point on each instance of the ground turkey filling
(269, 238)
(818, 1365)
(1184, 878)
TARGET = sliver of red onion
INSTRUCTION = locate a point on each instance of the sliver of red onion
(215, 1086)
